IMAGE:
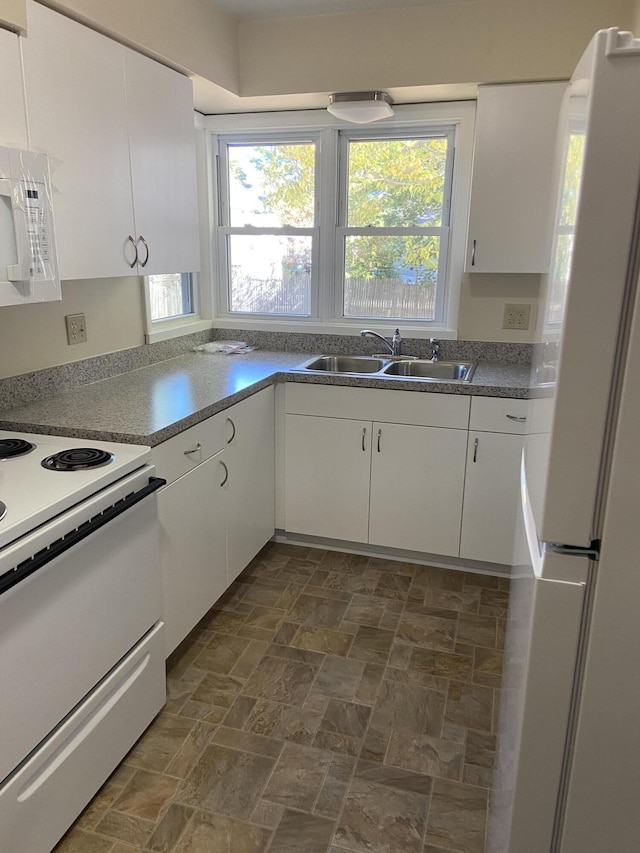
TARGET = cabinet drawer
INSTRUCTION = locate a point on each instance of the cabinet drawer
(498, 414)
(414, 408)
(185, 451)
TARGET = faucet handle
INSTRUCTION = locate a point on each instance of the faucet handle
(434, 343)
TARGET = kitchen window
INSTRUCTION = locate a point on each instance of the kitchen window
(268, 235)
(172, 306)
(322, 226)
(393, 233)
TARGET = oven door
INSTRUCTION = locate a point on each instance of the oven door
(75, 596)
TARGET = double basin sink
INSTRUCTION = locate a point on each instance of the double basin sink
(385, 367)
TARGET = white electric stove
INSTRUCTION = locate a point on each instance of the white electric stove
(33, 492)
(81, 636)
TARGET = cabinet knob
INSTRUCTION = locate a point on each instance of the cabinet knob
(364, 433)
(473, 254)
(379, 437)
(195, 449)
(475, 449)
(135, 249)
(233, 427)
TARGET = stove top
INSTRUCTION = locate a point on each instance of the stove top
(33, 492)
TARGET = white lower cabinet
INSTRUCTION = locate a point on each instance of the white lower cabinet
(417, 482)
(390, 484)
(328, 466)
(250, 486)
(193, 553)
(492, 482)
(217, 509)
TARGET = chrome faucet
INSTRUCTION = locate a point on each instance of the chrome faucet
(394, 346)
(434, 343)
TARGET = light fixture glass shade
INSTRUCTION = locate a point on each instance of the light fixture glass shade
(360, 107)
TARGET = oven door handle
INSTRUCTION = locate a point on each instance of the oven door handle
(28, 567)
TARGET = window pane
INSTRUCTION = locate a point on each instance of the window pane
(270, 275)
(170, 295)
(396, 182)
(272, 186)
(391, 277)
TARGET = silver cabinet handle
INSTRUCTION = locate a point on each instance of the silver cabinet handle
(364, 432)
(379, 437)
(135, 249)
(195, 449)
(475, 449)
(233, 426)
(226, 474)
(473, 254)
(146, 245)
(520, 420)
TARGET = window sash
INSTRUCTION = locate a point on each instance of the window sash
(226, 230)
(342, 231)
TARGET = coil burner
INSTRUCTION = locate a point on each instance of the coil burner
(10, 447)
(77, 459)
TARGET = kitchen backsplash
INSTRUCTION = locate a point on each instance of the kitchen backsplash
(505, 353)
(18, 390)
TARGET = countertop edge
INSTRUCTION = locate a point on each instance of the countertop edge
(279, 375)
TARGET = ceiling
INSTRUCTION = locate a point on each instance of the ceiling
(264, 9)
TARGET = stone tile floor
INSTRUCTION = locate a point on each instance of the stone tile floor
(329, 702)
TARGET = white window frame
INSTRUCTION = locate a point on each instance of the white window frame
(343, 230)
(226, 230)
(409, 119)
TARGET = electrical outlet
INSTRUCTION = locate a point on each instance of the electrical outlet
(76, 328)
(516, 316)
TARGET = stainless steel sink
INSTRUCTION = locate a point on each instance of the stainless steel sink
(460, 371)
(400, 367)
(344, 364)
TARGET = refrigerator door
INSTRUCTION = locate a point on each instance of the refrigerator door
(546, 604)
(595, 232)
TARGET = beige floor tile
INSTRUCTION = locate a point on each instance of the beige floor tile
(298, 776)
(210, 832)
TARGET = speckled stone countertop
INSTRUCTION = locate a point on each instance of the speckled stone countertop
(154, 403)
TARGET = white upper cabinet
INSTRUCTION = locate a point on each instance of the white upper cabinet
(163, 166)
(77, 115)
(512, 184)
(13, 126)
(119, 131)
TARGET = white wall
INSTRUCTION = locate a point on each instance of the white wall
(33, 337)
(478, 41)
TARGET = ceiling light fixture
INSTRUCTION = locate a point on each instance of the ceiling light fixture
(360, 107)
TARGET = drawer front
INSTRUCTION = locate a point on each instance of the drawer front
(416, 408)
(498, 414)
(185, 451)
(42, 799)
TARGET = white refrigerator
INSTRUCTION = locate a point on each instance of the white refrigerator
(568, 763)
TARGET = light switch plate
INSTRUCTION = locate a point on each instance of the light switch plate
(76, 328)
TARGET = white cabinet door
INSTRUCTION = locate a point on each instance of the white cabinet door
(163, 166)
(491, 496)
(250, 487)
(512, 184)
(417, 482)
(13, 127)
(193, 554)
(74, 81)
(327, 468)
